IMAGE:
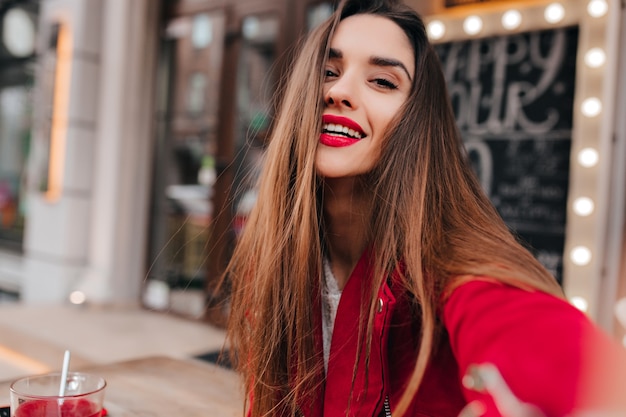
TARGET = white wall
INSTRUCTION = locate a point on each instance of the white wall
(94, 237)
(56, 233)
(119, 218)
(11, 271)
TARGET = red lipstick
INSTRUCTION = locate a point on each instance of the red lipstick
(340, 140)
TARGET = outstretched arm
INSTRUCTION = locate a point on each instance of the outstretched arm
(551, 355)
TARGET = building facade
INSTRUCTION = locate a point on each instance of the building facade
(149, 121)
(89, 160)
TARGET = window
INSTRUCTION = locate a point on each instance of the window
(17, 65)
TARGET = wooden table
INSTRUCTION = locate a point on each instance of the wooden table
(166, 387)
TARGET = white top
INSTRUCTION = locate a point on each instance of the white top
(330, 301)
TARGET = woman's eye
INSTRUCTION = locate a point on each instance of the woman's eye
(329, 73)
(382, 82)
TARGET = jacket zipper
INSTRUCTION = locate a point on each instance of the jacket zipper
(387, 407)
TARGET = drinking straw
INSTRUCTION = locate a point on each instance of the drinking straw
(64, 370)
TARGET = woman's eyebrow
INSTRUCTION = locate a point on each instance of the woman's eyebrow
(389, 62)
(375, 60)
(334, 53)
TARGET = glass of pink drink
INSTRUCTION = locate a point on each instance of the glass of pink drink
(38, 396)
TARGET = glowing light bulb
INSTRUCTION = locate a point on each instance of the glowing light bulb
(583, 206)
(588, 157)
(580, 255)
(580, 303)
(472, 25)
(512, 19)
(597, 8)
(436, 29)
(595, 57)
(591, 107)
(554, 13)
(77, 297)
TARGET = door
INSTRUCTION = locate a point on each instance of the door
(184, 177)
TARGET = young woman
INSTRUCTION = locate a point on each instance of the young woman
(374, 277)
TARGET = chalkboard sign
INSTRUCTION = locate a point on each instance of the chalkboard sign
(513, 99)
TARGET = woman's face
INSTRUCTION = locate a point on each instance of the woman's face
(369, 74)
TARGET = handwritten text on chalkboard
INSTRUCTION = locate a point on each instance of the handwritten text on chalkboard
(513, 100)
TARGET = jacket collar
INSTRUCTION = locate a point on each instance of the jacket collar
(367, 394)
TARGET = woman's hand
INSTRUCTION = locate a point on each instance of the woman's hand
(486, 378)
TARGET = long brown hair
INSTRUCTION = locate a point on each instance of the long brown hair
(429, 214)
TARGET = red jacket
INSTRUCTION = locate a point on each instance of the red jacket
(548, 352)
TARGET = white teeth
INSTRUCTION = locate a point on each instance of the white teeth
(330, 127)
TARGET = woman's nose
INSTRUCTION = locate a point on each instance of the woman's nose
(341, 93)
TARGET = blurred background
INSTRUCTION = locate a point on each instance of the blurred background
(132, 133)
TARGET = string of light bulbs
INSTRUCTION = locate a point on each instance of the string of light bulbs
(586, 198)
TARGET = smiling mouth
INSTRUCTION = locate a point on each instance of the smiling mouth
(340, 130)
